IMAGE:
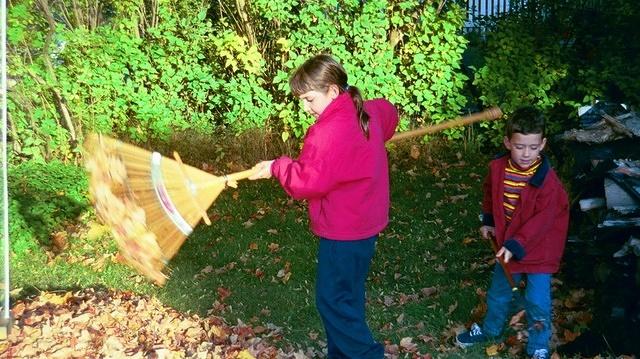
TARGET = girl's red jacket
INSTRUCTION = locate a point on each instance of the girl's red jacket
(343, 175)
(538, 229)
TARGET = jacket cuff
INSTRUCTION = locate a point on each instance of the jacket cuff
(515, 248)
(487, 220)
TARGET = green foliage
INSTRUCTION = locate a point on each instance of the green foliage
(431, 66)
(520, 69)
(243, 101)
(403, 51)
(43, 197)
(146, 72)
(33, 114)
(145, 87)
(606, 57)
(559, 55)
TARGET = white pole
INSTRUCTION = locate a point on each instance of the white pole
(5, 189)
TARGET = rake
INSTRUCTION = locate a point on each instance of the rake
(152, 202)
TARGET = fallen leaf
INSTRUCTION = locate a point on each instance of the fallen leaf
(452, 308)
(517, 318)
(248, 223)
(55, 299)
(415, 152)
(59, 241)
(492, 350)
(245, 355)
(427, 292)
(570, 336)
(407, 344)
(223, 293)
(468, 240)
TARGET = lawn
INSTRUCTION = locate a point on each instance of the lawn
(256, 262)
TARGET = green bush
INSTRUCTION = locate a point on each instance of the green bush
(520, 68)
(146, 72)
(43, 197)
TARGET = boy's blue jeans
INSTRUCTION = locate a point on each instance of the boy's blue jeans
(538, 307)
(340, 297)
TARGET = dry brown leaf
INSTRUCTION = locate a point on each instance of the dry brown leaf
(273, 247)
(517, 318)
(59, 241)
(492, 350)
(55, 299)
(570, 336)
(407, 345)
(223, 293)
(415, 152)
(427, 292)
(452, 308)
(468, 240)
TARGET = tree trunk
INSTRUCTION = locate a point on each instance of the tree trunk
(241, 6)
(59, 100)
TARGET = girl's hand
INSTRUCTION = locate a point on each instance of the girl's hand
(506, 253)
(263, 170)
(485, 231)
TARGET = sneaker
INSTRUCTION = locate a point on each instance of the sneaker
(540, 354)
(473, 336)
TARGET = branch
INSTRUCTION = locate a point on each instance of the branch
(440, 6)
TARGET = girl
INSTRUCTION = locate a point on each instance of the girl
(342, 171)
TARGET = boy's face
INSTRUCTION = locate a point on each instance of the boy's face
(315, 102)
(525, 149)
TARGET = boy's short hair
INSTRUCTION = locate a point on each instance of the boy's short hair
(525, 120)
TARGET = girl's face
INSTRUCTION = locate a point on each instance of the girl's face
(525, 149)
(315, 102)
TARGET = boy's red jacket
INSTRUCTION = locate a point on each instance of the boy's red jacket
(538, 229)
(343, 174)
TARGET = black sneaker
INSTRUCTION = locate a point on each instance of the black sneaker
(471, 337)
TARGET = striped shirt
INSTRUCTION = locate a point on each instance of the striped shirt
(515, 179)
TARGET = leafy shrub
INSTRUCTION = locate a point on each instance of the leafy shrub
(144, 73)
(43, 197)
(519, 69)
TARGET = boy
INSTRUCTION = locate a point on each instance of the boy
(526, 208)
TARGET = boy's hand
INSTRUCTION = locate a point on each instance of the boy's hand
(263, 170)
(506, 253)
(486, 231)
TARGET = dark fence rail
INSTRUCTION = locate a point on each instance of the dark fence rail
(477, 9)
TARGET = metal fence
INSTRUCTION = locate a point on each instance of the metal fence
(476, 9)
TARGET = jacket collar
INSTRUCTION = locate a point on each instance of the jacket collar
(541, 173)
(340, 103)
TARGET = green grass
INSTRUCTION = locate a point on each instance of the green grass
(435, 205)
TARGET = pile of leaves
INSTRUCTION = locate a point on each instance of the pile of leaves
(105, 323)
(101, 323)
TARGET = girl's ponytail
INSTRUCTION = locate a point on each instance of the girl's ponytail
(363, 116)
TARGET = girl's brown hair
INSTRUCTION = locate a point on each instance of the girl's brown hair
(322, 71)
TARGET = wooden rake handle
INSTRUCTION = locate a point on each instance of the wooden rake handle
(492, 113)
(505, 267)
(231, 179)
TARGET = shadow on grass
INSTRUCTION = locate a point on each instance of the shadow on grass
(43, 198)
